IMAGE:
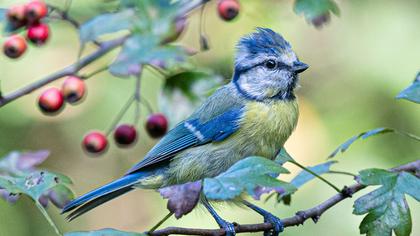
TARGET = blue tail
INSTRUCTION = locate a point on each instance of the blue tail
(101, 195)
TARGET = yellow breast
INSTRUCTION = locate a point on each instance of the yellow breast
(269, 125)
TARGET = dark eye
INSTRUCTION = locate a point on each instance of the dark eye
(270, 64)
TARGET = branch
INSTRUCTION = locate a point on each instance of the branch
(74, 68)
(69, 70)
(300, 217)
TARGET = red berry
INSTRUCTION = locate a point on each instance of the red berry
(51, 101)
(38, 33)
(14, 46)
(73, 89)
(16, 16)
(228, 9)
(125, 135)
(95, 142)
(35, 11)
(156, 125)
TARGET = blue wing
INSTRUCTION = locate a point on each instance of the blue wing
(190, 133)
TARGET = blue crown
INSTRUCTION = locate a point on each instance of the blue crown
(264, 40)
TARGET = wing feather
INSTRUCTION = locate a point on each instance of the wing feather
(201, 128)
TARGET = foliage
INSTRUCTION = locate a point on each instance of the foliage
(150, 23)
(245, 176)
(386, 207)
(182, 198)
(412, 93)
(364, 135)
(142, 49)
(316, 11)
(307, 174)
(144, 31)
(18, 175)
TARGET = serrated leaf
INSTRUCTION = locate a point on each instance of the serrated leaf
(244, 176)
(34, 184)
(412, 93)
(157, 16)
(104, 232)
(107, 23)
(144, 49)
(386, 207)
(314, 10)
(364, 135)
(303, 177)
(182, 198)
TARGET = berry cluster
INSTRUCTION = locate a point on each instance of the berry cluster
(125, 135)
(28, 16)
(228, 9)
(51, 101)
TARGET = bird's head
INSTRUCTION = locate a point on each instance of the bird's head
(266, 66)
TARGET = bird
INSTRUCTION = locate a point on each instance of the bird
(252, 115)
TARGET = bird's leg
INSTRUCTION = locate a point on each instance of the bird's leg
(228, 227)
(268, 218)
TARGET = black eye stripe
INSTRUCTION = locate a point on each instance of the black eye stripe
(278, 65)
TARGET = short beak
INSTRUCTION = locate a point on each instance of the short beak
(299, 67)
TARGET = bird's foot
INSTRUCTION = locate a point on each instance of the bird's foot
(228, 227)
(278, 226)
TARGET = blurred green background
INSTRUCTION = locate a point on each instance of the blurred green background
(359, 62)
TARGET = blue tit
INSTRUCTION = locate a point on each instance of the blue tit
(254, 114)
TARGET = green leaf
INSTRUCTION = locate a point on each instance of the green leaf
(104, 232)
(313, 10)
(157, 16)
(412, 93)
(245, 175)
(107, 23)
(304, 177)
(283, 157)
(144, 49)
(374, 132)
(34, 184)
(386, 207)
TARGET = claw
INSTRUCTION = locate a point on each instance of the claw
(278, 226)
(228, 227)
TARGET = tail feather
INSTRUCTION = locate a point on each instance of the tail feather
(96, 202)
(102, 195)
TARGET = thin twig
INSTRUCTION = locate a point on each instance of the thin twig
(341, 173)
(69, 70)
(298, 219)
(120, 115)
(316, 175)
(93, 73)
(104, 48)
(161, 222)
(137, 93)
